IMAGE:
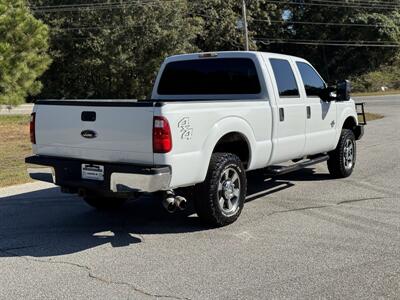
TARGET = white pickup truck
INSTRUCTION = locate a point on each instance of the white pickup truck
(211, 118)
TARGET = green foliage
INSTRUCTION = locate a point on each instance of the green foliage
(116, 52)
(339, 62)
(386, 76)
(221, 32)
(23, 46)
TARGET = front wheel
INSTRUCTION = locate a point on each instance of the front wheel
(343, 159)
(220, 198)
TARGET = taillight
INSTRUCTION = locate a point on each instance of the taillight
(32, 128)
(162, 140)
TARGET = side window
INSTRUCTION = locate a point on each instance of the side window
(285, 79)
(313, 83)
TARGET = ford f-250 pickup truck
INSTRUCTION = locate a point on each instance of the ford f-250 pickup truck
(211, 118)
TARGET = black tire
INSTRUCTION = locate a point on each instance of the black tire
(208, 194)
(103, 203)
(337, 165)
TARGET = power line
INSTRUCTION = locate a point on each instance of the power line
(328, 43)
(331, 5)
(335, 41)
(361, 3)
(254, 20)
(92, 7)
(79, 5)
(114, 5)
(103, 27)
(324, 23)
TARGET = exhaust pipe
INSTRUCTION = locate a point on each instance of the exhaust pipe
(172, 202)
(169, 202)
(181, 202)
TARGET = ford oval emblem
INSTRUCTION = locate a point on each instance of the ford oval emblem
(89, 134)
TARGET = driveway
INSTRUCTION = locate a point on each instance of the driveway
(302, 235)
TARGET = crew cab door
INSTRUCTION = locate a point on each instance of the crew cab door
(291, 123)
(321, 115)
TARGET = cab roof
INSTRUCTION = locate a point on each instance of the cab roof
(225, 54)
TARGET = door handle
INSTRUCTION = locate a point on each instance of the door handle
(308, 112)
(281, 114)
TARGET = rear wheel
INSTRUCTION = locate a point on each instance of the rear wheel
(220, 198)
(343, 159)
(103, 203)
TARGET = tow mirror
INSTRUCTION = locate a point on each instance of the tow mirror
(326, 93)
(343, 89)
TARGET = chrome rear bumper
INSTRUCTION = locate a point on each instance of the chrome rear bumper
(118, 178)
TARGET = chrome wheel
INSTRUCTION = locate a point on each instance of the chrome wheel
(348, 154)
(229, 191)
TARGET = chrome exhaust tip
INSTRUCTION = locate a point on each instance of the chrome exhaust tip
(169, 204)
(181, 202)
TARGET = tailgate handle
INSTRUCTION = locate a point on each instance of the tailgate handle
(88, 116)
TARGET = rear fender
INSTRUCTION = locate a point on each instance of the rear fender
(220, 129)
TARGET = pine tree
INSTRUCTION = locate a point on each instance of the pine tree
(23, 52)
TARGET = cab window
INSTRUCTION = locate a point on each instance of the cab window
(210, 77)
(284, 76)
(313, 83)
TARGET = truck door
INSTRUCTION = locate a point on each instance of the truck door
(321, 115)
(291, 123)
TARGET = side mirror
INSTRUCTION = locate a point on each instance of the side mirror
(326, 93)
(343, 90)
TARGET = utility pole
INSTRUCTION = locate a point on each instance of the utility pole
(245, 30)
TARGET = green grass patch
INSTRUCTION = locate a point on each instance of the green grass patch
(14, 147)
(371, 117)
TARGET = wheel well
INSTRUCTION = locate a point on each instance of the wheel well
(350, 123)
(235, 143)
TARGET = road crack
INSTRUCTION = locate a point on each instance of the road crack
(89, 272)
(325, 206)
(358, 200)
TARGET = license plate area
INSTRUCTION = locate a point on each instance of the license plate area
(93, 172)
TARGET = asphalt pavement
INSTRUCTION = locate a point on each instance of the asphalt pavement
(301, 235)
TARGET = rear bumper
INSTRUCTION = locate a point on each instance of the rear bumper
(66, 172)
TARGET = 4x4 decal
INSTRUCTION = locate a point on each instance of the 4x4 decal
(186, 130)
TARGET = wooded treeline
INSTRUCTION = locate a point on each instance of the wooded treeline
(113, 49)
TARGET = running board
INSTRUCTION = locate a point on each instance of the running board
(280, 170)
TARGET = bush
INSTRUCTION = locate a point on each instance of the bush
(387, 76)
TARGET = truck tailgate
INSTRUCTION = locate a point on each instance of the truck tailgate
(106, 131)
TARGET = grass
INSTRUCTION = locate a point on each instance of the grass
(371, 116)
(14, 147)
(379, 93)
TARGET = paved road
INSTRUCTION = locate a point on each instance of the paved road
(301, 235)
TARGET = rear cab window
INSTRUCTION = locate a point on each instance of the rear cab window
(215, 76)
(313, 83)
(285, 79)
